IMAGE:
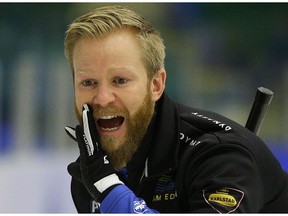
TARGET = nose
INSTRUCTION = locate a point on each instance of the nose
(104, 95)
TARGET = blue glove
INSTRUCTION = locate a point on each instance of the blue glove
(93, 169)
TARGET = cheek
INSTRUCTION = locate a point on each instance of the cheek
(77, 100)
(133, 103)
(80, 99)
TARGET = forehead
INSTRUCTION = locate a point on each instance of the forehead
(118, 39)
(117, 49)
(115, 41)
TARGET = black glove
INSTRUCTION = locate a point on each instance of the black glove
(93, 169)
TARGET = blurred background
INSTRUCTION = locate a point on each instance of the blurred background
(218, 54)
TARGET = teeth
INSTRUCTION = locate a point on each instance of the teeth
(106, 128)
(108, 117)
(109, 129)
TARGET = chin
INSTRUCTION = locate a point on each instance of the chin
(111, 144)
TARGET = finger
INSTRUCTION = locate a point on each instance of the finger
(71, 132)
(75, 171)
(92, 127)
(87, 133)
(83, 144)
(87, 107)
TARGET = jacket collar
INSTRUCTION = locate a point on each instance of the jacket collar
(159, 146)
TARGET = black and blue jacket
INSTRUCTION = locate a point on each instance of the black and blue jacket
(193, 160)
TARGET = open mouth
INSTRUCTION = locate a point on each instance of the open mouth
(110, 123)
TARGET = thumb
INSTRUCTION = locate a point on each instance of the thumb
(74, 170)
(71, 132)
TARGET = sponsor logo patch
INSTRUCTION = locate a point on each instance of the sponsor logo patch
(140, 207)
(223, 200)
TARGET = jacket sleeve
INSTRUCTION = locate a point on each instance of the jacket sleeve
(223, 178)
(122, 200)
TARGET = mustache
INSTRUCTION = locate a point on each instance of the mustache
(110, 110)
(102, 111)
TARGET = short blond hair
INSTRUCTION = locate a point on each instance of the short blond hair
(105, 20)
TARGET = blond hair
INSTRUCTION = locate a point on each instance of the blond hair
(105, 20)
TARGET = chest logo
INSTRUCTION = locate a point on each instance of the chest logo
(165, 189)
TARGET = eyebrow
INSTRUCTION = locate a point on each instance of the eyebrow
(123, 69)
(82, 72)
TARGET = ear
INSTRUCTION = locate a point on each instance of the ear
(158, 84)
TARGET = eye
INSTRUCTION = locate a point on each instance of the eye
(120, 80)
(88, 83)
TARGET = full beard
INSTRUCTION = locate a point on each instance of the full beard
(120, 151)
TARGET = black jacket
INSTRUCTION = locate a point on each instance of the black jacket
(198, 161)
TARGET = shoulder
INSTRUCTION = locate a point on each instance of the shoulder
(199, 118)
(194, 125)
(199, 126)
(207, 121)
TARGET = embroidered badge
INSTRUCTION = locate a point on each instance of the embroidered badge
(165, 189)
(140, 207)
(223, 200)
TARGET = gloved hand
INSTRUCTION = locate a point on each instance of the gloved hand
(93, 169)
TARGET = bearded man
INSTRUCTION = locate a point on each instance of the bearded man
(142, 152)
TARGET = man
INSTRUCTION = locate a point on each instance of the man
(141, 152)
